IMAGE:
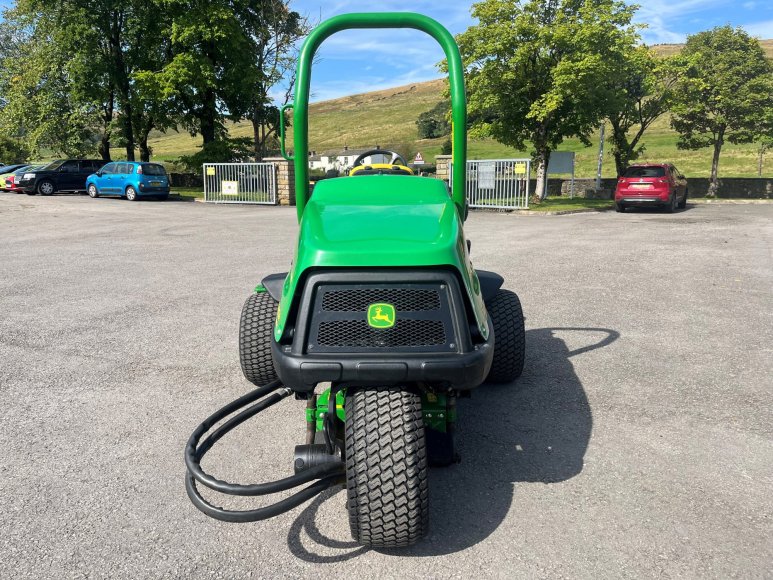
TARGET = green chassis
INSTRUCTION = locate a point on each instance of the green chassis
(381, 221)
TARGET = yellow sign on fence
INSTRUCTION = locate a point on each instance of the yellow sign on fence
(519, 168)
(210, 171)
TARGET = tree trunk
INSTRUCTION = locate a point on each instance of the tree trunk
(208, 116)
(128, 133)
(144, 149)
(104, 147)
(542, 159)
(256, 135)
(713, 184)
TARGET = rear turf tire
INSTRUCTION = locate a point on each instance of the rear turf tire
(509, 337)
(620, 208)
(386, 467)
(255, 329)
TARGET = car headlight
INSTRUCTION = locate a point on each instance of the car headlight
(29, 176)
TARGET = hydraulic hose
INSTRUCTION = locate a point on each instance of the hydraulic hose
(328, 474)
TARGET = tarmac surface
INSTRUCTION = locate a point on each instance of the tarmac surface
(637, 444)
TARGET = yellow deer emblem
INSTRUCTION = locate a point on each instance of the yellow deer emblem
(381, 315)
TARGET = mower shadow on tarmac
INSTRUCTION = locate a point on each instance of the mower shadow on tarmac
(536, 430)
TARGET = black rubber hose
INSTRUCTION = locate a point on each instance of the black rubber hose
(194, 453)
(258, 514)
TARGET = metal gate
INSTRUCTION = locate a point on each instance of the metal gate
(498, 183)
(240, 183)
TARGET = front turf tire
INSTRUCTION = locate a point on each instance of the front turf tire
(509, 337)
(386, 467)
(255, 329)
(93, 193)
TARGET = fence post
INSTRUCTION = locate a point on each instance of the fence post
(285, 180)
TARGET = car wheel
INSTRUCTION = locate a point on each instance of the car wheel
(672, 203)
(93, 191)
(131, 193)
(46, 188)
(683, 203)
(620, 208)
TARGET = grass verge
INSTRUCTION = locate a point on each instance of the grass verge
(559, 203)
(196, 192)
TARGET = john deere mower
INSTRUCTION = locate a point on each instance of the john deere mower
(380, 325)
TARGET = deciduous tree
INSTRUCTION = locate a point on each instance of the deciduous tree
(726, 89)
(537, 70)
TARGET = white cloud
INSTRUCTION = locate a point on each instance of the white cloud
(763, 29)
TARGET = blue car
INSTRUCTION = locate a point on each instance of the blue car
(129, 179)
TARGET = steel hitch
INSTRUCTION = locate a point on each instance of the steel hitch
(318, 463)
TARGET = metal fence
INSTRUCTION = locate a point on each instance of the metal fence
(498, 183)
(240, 183)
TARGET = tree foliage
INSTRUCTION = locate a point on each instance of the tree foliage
(537, 69)
(434, 123)
(725, 90)
(80, 75)
(641, 92)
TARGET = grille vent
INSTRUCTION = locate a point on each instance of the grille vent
(403, 299)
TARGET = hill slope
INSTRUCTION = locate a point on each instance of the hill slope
(388, 118)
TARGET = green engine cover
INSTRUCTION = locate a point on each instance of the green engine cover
(382, 221)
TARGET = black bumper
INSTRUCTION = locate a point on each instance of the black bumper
(458, 358)
(458, 371)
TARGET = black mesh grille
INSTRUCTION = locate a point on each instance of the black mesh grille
(403, 299)
(358, 334)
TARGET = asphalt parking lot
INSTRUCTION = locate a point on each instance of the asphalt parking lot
(638, 443)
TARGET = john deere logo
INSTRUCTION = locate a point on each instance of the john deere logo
(381, 315)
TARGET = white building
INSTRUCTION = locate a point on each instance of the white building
(343, 159)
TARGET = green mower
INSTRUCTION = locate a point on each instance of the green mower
(383, 304)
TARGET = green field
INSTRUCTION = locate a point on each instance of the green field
(388, 118)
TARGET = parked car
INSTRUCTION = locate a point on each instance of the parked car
(129, 179)
(11, 182)
(648, 185)
(59, 175)
(6, 171)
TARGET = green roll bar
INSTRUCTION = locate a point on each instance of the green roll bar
(303, 81)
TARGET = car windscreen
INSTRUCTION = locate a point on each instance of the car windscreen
(645, 172)
(53, 165)
(153, 169)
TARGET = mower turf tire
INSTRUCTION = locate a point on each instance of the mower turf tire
(386, 467)
(509, 337)
(255, 328)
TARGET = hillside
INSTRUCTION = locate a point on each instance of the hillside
(388, 118)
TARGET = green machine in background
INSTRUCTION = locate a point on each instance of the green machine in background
(382, 304)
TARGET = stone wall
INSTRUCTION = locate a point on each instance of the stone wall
(443, 164)
(285, 180)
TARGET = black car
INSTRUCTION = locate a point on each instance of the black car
(60, 175)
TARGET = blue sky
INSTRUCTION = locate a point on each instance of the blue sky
(353, 62)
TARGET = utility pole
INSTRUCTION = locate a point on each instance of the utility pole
(601, 157)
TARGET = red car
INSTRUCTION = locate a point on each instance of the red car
(652, 184)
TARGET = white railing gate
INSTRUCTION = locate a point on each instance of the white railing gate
(498, 183)
(240, 183)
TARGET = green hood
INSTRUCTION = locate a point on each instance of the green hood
(381, 221)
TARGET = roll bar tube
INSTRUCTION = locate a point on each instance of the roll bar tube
(377, 20)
